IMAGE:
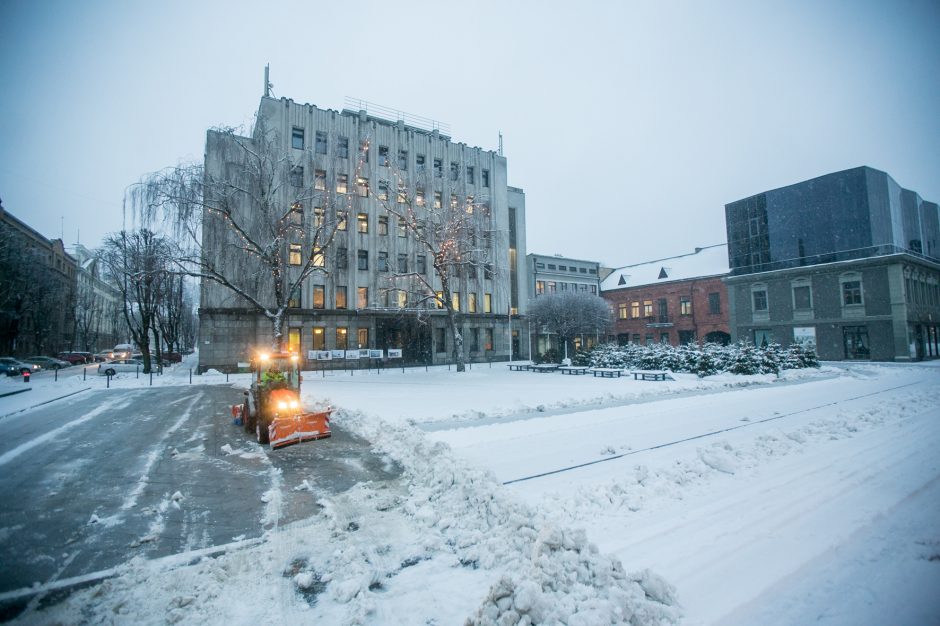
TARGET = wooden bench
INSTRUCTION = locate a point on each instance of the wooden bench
(574, 370)
(649, 375)
(606, 372)
(544, 367)
(519, 367)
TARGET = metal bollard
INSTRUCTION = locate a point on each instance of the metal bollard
(151, 378)
(137, 372)
(56, 370)
(108, 385)
(190, 376)
(85, 373)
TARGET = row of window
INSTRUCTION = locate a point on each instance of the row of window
(341, 339)
(802, 294)
(390, 298)
(551, 286)
(662, 306)
(341, 150)
(318, 258)
(565, 268)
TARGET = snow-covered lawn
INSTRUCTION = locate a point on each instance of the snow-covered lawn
(734, 500)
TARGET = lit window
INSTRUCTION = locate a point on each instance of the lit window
(383, 190)
(437, 200)
(487, 303)
(685, 306)
(622, 310)
(402, 298)
(539, 287)
(472, 302)
(362, 297)
(402, 228)
(319, 180)
(341, 334)
(319, 338)
(318, 296)
(362, 336)
(295, 254)
(293, 302)
(487, 338)
(851, 292)
(297, 138)
(342, 183)
(419, 196)
(362, 222)
(318, 257)
(455, 300)
(318, 215)
(362, 187)
(470, 205)
(439, 299)
(647, 308)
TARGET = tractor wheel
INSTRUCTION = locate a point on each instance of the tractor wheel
(261, 431)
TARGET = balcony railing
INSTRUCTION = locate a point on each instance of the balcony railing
(659, 321)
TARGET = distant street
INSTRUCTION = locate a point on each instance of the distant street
(94, 480)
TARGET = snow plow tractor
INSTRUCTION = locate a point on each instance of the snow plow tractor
(272, 409)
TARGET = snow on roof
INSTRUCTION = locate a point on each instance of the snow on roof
(707, 261)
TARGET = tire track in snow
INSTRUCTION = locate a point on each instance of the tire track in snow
(705, 435)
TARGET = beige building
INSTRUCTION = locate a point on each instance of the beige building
(351, 159)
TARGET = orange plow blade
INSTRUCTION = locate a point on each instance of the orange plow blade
(290, 429)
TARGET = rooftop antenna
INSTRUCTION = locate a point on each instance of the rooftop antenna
(62, 229)
(500, 143)
(267, 81)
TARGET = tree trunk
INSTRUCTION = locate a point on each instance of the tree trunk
(457, 335)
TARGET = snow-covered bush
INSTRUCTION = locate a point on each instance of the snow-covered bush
(704, 360)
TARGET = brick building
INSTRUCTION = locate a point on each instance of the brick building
(675, 300)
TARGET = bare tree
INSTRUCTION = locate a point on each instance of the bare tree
(251, 220)
(570, 313)
(454, 234)
(139, 263)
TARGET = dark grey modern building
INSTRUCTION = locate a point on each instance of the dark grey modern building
(848, 262)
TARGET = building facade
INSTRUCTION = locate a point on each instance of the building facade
(353, 160)
(848, 262)
(675, 300)
(555, 273)
(99, 321)
(37, 291)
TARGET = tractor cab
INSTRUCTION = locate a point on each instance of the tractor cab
(272, 407)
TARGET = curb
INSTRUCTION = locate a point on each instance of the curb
(13, 393)
(29, 408)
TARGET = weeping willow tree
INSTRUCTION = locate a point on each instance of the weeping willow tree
(247, 220)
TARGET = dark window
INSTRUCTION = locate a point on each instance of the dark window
(802, 298)
(320, 142)
(760, 300)
(362, 259)
(402, 263)
(686, 336)
(419, 162)
(319, 179)
(485, 178)
(421, 264)
(403, 160)
(294, 301)
(855, 340)
(342, 260)
(454, 171)
(714, 303)
(438, 168)
(297, 177)
(440, 342)
(297, 138)
(383, 156)
(341, 297)
(470, 174)
(342, 147)
(383, 225)
(852, 292)
(383, 261)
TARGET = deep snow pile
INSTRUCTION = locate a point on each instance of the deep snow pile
(445, 537)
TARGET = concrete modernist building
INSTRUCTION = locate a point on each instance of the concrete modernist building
(354, 159)
(675, 300)
(848, 262)
(555, 273)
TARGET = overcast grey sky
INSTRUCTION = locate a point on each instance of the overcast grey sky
(628, 124)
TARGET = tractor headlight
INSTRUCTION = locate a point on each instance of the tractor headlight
(282, 405)
(294, 404)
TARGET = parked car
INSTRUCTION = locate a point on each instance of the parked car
(47, 362)
(101, 357)
(75, 358)
(122, 351)
(14, 367)
(110, 368)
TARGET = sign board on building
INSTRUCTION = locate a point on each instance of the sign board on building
(394, 353)
(805, 335)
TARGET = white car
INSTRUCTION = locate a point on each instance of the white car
(110, 368)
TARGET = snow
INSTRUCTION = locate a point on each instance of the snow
(809, 497)
(706, 261)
